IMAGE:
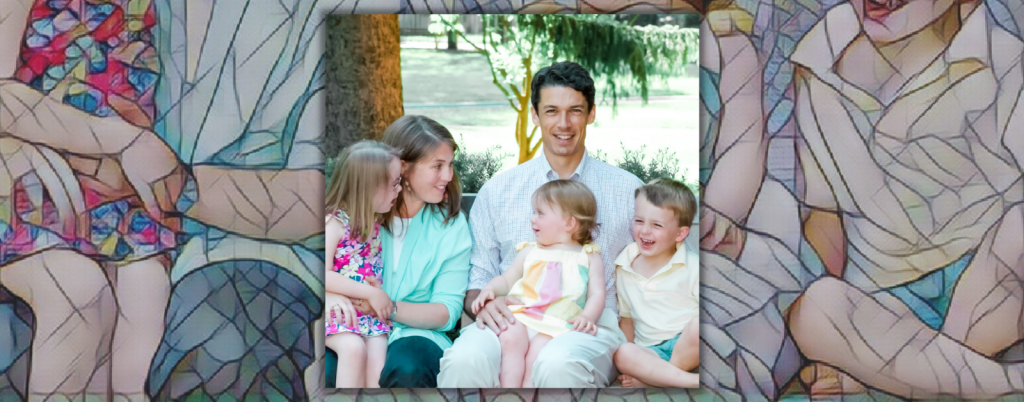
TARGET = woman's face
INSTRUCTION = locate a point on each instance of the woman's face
(386, 194)
(429, 177)
(887, 21)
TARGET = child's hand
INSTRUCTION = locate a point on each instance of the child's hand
(342, 309)
(381, 305)
(485, 296)
(584, 325)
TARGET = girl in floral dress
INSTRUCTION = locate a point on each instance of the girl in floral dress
(365, 184)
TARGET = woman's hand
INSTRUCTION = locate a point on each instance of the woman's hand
(140, 158)
(19, 159)
(485, 296)
(381, 305)
(342, 309)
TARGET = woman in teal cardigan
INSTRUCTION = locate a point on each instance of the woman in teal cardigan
(426, 250)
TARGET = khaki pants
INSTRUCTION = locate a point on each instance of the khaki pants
(573, 360)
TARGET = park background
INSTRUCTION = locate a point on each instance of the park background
(471, 73)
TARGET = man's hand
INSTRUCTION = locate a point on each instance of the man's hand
(496, 314)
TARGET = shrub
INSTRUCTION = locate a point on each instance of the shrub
(475, 168)
(328, 170)
(663, 164)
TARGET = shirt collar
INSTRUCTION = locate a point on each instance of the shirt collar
(577, 175)
(827, 39)
(625, 260)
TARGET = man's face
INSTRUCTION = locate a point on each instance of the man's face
(887, 21)
(563, 117)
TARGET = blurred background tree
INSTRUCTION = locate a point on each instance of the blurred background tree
(620, 52)
(364, 84)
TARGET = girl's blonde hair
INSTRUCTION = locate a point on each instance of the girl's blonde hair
(360, 171)
(417, 137)
(575, 200)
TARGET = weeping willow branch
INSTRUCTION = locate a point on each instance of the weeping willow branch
(625, 57)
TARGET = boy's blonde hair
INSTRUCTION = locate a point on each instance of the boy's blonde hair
(573, 199)
(360, 171)
(672, 195)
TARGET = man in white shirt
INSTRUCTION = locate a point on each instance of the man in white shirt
(563, 106)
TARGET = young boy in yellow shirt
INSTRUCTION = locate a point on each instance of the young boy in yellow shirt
(657, 280)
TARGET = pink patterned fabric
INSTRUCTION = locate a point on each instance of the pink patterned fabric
(98, 56)
(358, 261)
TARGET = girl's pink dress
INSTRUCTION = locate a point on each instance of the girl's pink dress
(358, 261)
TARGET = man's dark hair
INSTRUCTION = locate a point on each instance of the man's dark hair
(563, 74)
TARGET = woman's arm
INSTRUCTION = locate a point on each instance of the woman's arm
(449, 286)
(595, 289)
(268, 204)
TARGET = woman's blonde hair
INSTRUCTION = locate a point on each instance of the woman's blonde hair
(575, 200)
(416, 137)
(360, 171)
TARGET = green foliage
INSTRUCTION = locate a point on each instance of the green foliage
(598, 154)
(474, 169)
(328, 170)
(663, 164)
(441, 24)
(627, 58)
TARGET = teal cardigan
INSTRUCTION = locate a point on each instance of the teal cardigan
(433, 268)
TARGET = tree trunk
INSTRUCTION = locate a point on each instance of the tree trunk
(453, 41)
(364, 78)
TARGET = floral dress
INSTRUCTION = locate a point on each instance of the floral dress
(358, 260)
(100, 57)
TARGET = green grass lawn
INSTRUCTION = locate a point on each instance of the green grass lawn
(434, 80)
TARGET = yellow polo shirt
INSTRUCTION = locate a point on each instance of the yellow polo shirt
(662, 305)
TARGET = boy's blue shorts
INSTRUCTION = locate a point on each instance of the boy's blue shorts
(664, 349)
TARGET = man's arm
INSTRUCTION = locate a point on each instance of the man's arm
(486, 257)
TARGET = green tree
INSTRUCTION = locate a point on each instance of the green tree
(624, 57)
(446, 25)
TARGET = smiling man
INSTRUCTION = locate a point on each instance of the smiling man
(563, 106)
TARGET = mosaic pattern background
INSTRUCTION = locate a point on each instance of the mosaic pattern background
(902, 320)
(181, 139)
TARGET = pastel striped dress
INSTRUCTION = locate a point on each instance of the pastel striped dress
(553, 288)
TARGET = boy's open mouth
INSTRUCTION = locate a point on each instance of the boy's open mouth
(879, 10)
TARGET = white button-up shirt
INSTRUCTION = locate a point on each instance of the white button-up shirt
(500, 216)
